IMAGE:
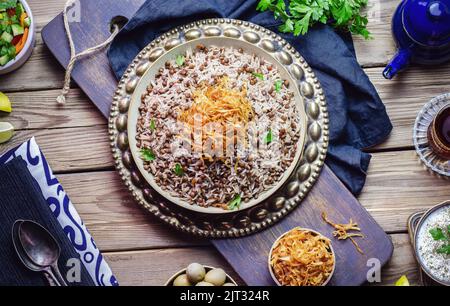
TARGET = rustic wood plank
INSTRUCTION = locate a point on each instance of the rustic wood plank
(69, 149)
(397, 186)
(154, 267)
(39, 110)
(328, 195)
(401, 263)
(114, 219)
(405, 95)
(379, 50)
(41, 71)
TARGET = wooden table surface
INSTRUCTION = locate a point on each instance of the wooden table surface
(143, 251)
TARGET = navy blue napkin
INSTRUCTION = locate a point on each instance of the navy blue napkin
(358, 117)
(20, 198)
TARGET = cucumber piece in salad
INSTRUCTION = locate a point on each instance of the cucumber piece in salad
(14, 29)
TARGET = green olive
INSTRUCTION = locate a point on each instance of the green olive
(204, 284)
(216, 277)
(229, 285)
(182, 280)
(195, 273)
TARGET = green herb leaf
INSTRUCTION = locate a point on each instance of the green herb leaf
(445, 249)
(264, 5)
(235, 203)
(258, 75)
(437, 234)
(300, 15)
(178, 169)
(7, 4)
(287, 27)
(269, 137)
(180, 60)
(152, 125)
(278, 85)
(147, 155)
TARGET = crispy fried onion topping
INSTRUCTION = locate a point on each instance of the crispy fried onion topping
(341, 232)
(302, 258)
(219, 104)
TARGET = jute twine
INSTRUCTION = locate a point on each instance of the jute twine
(74, 57)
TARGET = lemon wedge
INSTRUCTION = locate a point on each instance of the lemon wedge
(5, 104)
(402, 281)
(6, 131)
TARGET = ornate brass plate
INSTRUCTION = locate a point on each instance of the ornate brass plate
(287, 197)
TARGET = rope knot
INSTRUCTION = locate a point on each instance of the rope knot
(61, 99)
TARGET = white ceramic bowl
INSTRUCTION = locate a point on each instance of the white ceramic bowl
(306, 230)
(25, 54)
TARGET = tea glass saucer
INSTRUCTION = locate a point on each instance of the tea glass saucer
(432, 161)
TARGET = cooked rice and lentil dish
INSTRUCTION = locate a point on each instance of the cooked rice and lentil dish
(220, 89)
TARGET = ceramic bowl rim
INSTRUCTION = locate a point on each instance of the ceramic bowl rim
(28, 43)
(170, 281)
(416, 238)
(272, 274)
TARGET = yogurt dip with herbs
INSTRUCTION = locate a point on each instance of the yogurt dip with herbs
(433, 244)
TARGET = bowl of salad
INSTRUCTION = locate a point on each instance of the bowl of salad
(17, 34)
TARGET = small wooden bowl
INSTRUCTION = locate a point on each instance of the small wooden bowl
(169, 283)
(306, 230)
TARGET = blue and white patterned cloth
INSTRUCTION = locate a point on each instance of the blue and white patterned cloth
(64, 212)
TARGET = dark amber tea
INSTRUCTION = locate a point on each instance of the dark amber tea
(443, 127)
(439, 133)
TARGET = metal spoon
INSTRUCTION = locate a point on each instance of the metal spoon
(24, 258)
(41, 248)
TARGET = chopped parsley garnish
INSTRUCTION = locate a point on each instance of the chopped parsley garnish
(278, 85)
(269, 137)
(299, 15)
(258, 75)
(178, 169)
(180, 60)
(235, 203)
(152, 125)
(439, 235)
(147, 155)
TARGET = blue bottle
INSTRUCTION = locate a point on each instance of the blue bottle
(421, 30)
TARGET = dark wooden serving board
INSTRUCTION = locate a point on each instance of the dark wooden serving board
(247, 255)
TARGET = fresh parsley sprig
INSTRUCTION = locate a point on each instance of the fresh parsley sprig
(442, 235)
(148, 155)
(300, 15)
(7, 4)
(235, 203)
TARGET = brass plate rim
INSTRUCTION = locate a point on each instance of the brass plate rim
(284, 201)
